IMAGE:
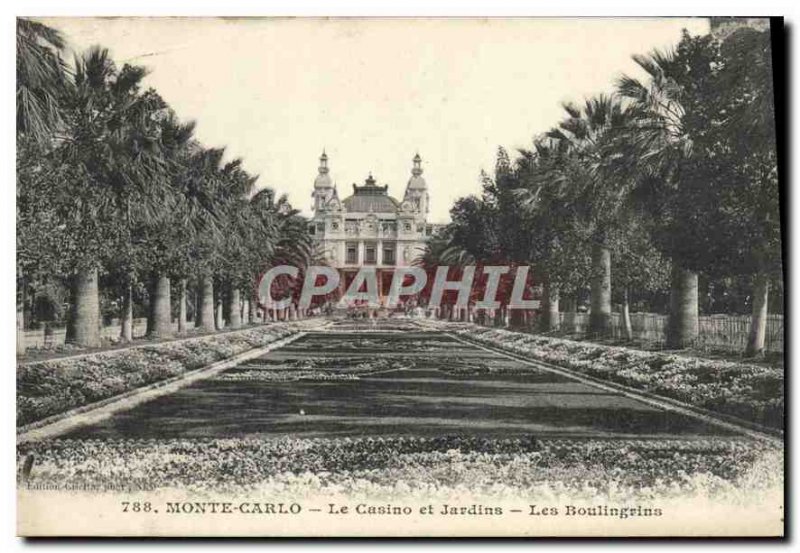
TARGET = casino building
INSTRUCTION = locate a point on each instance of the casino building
(370, 227)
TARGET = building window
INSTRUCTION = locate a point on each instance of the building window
(408, 226)
(320, 227)
(352, 253)
(335, 226)
(388, 255)
(370, 257)
(312, 229)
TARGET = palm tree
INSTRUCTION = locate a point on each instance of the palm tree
(110, 149)
(585, 132)
(278, 236)
(656, 147)
(164, 232)
(201, 213)
(545, 196)
(41, 77)
(40, 81)
(236, 254)
(178, 140)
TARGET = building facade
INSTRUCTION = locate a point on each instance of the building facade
(370, 227)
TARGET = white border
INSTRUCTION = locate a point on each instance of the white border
(573, 8)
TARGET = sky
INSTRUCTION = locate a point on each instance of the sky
(373, 92)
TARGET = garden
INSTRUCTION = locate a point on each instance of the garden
(310, 419)
(372, 384)
(407, 467)
(751, 392)
(48, 388)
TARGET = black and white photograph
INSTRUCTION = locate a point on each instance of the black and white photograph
(400, 276)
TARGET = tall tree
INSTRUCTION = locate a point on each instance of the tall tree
(161, 238)
(41, 77)
(734, 129)
(704, 149)
(108, 154)
(657, 148)
(202, 206)
(557, 237)
(40, 82)
(601, 196)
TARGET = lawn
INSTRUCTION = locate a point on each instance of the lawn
(399, 413)
(411, 384)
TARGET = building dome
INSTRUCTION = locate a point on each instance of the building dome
(323, 179)
(358, 203)
(370, 198)
(417, 182)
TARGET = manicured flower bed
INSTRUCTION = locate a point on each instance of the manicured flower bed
(354, 364)
(359, 365)
(750, 392)
(526, 467)
(388, 342)
(50, 387)
(260, 375)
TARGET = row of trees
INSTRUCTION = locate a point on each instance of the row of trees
(668, 178)
(113, 188)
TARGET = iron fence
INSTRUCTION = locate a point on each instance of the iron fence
(728, 332)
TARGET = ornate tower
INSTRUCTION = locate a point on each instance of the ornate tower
(417, 188)
(323, 188)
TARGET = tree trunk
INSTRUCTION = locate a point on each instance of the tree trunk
(516, 318)
(251, 311)
(182, 320)
(600, 307)
(758, 324)
(683, 323)
(84, 323)
(626, 316)
(21, 345)
(234, 309)
(220, 319)
(571, 313)
(498, 317)
(205, 305)
(126, 322)
(196, 299)
(159, 321)
(550, 318)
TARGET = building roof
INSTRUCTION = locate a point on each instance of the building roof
(370, 197)
(376, 204)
